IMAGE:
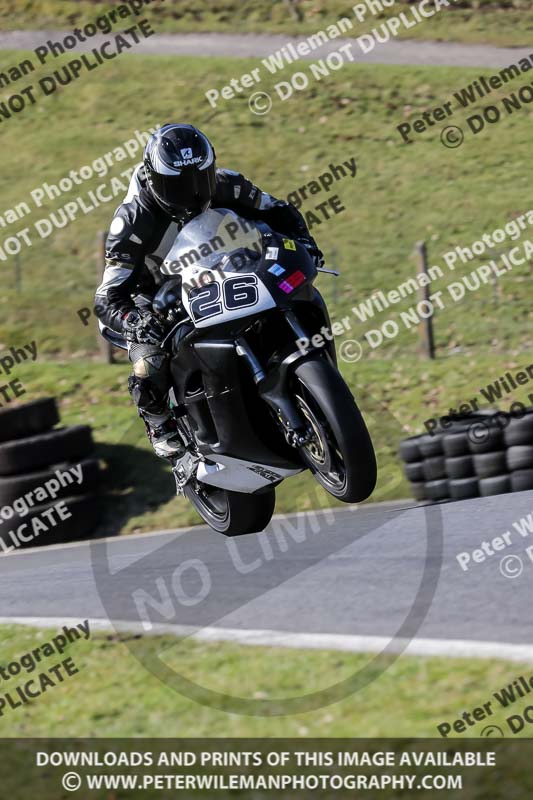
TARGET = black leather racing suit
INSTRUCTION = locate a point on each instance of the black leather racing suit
(140, 236)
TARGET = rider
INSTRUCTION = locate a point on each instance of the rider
(177, 181)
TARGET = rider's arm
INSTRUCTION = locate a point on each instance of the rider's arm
(124, 265)
(241, 195)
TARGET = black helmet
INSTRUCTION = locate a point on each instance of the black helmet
(180, 168)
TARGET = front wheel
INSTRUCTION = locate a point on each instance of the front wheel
(339, 452)
(231, 513)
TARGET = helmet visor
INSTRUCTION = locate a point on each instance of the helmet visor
(192, 190)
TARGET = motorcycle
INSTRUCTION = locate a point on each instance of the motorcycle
(256, 399)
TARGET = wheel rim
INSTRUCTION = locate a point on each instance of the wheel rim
(212, 501)
(322, 453)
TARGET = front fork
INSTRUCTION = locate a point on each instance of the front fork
(272, 387)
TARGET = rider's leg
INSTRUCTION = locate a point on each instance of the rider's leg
(149, 386)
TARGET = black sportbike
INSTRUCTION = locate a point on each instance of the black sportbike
(255, 401)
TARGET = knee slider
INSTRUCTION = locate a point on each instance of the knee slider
(145, 395)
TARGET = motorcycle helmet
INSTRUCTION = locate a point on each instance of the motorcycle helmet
(180, 168)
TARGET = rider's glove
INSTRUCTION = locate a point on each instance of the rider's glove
(319, 258)
(142, 327)
(315, 252)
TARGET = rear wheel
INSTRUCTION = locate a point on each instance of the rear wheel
(339, 453)
(231, 513)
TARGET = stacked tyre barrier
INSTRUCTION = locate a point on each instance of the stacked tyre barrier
(48, 481)
(476, 456)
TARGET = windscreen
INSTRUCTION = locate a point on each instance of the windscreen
(218, 238)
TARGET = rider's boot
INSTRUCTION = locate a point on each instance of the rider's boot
(163, 434)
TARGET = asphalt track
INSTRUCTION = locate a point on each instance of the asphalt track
(372, 571)
(350, 579)
(400, 52)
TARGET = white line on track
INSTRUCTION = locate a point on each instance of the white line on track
(441, 648)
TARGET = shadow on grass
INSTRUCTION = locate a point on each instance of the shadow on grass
(136, 481)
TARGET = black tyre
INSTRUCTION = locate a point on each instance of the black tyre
(409, 449)
(33, 452)
(82, 523)
(431, 445)
(463, 488)
(19, 485)
(488, 464)
(456, 444)
(232, 513)
(437, 490)
(434, 468)
(418, 491)
(522, 480)
(340, 455)
(28, 419)
(520, 456)
(496, 484)
(519, 431)
(414, 471)
(460, 467)
(485, 436)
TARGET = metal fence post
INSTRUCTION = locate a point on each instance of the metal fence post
(18, 274)
(294, 10)
(426, 325)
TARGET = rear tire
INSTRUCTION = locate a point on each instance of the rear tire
(488, 465)
(409, 449)
(521, 480)
(430, 446)
(28, 419)
(232, 513)
(18, 485)
(495, 484)
(414, 471)
(341, 456)
(519, 431)
(456, 444)
(434, 468)
(519, 456)
(34, 452)
(437, 490)
(459, 467)
(463, 488)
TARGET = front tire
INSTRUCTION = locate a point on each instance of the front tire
(231, 513)
(340, 455)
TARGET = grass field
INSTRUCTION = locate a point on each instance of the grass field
(401, 194)
(396, 397)
(485, 21)
(95, 700)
